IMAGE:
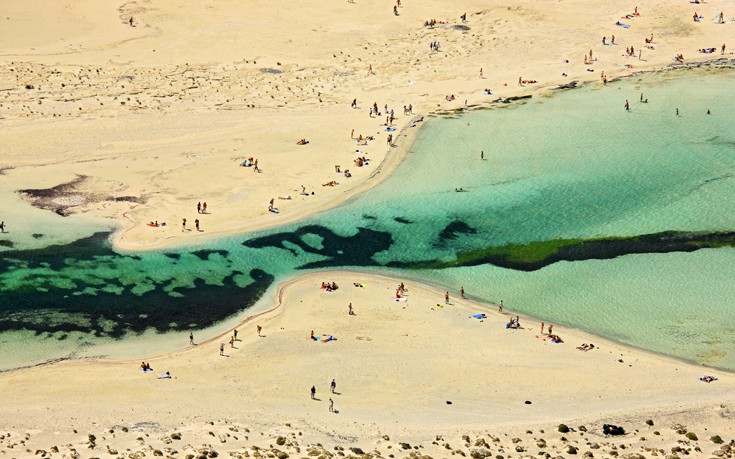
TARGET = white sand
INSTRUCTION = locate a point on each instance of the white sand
(200, 94)
(396, 365)
(166, 110)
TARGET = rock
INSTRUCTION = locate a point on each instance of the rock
(386, 438)
(649, 422)
(404, 445)
(175, 436)
(563, 428)
(280, 441)
(692, 436)
(541, 443)
(582, 428)
(633, 456)
(157, 452)
(571, 449)
(680, 429)
(594, 446)
(516, 440)
(716, 439)
(480, 453)
(41, 452)
(357, 450)
(281, 455)
(588, 454)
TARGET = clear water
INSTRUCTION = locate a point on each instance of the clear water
(573, 166)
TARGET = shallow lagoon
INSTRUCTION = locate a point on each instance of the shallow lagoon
(575, 166)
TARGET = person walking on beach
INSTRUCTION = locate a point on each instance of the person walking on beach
(500, 307)
(482, 154)
(481, 76)
(234, 334)
(260, 329)
(222, 349)
(191, 338)
(723, 49)
(627, 105)
(331, 405)
(333, 386)
(232, 342)
(199, 207)
(542, 328)
(349, 310)
(196, 223)
(204, 207)
(446, 297)
(313, 392)
(2, 226)
(461, 293)
(677, 112)
(551, 328)
(183, 224)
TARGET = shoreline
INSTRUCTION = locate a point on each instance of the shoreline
(275, 306)
(396, 401)
(407, 136)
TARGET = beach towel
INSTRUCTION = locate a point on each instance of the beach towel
(479, 316)
(398, 298)
(166, 375)
(624, 26)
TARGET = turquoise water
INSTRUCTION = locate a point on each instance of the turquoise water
(574, 166)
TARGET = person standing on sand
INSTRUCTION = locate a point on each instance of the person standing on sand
(204, 207)
(196, 223)
(191, 338)
(234, 334)
(183, 224)
(130, 21)
(2, 226)
(333, 386)
(446, 297)
(723, 49)
(461, 293)
(551, 327)
(677, 112)
(331, 405)
(232, 343)
(313, 392)
(627, 105)
(500, 307)
(482, 154)
(542, 328)
(349, 310)
(481, 76)
(222, 349)
(259, 329)
(199, 207)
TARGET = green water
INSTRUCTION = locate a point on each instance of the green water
(575, 166)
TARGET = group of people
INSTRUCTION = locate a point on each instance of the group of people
(586, 347)
(250, 162)
(332, 389)
(329, 287)
(434, 46)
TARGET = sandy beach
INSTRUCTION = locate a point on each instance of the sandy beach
(134, 113)
(412, 370)
(87, 95)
